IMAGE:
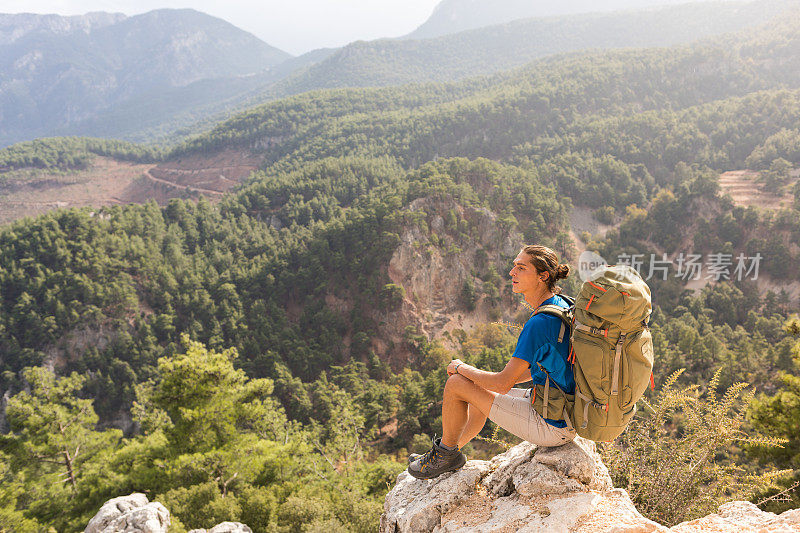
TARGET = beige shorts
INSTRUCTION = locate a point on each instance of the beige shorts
(514, 413)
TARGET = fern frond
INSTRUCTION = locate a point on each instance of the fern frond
(771, 476)
(781, 496)
(730, 396)
(713, 385)
(671, 379)
(495, 438)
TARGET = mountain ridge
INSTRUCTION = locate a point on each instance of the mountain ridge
(14, 26)
(453, 16)
(168, 114)
(505, 46)
(91, 64)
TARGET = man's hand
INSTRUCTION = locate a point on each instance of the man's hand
(451, 368)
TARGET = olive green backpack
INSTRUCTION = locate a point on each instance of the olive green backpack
(611, 352)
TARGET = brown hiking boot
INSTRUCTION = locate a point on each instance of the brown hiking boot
(436, 462)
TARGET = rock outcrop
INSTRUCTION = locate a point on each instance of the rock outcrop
(135, 514)
(433, 276)
(225, 527)
(539, 489)
(131, 514)
(743, 517)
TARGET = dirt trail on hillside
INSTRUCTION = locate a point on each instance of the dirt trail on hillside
(32, 192)
(148, 174)
(217, 172)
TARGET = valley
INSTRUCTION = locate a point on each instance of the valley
(252, 321)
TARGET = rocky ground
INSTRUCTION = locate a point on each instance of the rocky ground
(530, 489)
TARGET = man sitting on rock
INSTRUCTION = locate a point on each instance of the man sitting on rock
(471, 395)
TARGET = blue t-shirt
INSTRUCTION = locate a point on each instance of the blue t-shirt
(538, 343)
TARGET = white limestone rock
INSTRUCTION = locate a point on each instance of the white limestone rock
(526, 489)
(547, 490)
(134, 514)
(499, 482)
(578, 460)
(532, 478)
(744, 517)
(557, 514)
(130, 514)
(418, 505)
(225, 527)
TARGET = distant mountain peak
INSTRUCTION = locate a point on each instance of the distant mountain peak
(18, 25)
(66, 70)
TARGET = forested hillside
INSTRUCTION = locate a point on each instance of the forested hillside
(452, 16)
(174, 92)
(490, 49)
(271, 358)
(724, 104)
(70, 153)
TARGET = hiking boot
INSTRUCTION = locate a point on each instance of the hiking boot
(436, 462)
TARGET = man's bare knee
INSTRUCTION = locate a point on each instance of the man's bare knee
(455, 384)
(459, 386)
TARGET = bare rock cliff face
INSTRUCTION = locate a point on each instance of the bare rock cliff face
(538, 489)
(433, 276)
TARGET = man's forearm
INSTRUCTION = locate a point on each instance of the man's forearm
(482, 378)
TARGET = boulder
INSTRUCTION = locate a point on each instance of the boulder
(129, 514)
(134, 514)
(743, 517)
(417, 504)
(225, 527)
(526, 489)
(531, 489)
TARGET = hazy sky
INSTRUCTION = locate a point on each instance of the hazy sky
(295, 26)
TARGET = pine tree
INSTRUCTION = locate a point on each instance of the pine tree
(52, 441)
(779, 416)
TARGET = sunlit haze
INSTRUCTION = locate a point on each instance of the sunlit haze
(295, 27)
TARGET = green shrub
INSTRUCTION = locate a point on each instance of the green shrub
(605, 215)
(671, 458)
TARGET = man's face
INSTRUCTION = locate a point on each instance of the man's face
(524, 278)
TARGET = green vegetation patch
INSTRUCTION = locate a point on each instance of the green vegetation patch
(71, 153)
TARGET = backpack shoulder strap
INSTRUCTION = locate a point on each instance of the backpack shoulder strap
(558, 312)
(569, 299)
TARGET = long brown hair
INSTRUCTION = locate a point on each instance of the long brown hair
(544, 259)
